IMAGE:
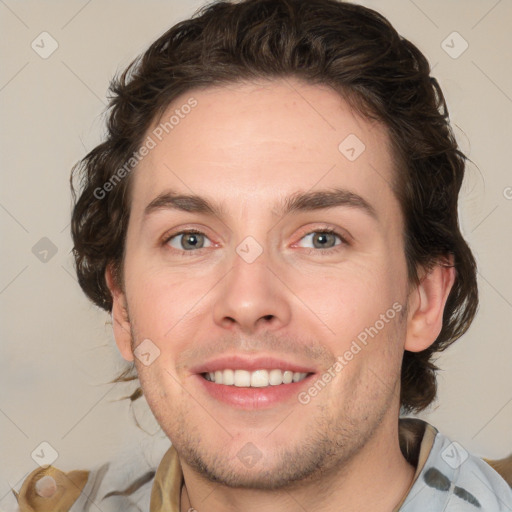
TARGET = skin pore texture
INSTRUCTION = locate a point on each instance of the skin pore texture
(248, 148)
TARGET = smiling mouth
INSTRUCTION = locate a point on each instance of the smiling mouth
(255, 379)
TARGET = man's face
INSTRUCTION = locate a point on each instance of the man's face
(263, 287)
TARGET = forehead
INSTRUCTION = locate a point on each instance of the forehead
(254, 143)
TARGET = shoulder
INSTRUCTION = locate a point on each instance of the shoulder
(454, 480)
(121, 484)
(47, 488)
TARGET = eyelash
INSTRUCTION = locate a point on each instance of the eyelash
(329, 250)
(323, 252)
(168, 238)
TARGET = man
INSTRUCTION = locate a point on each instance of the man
(272, 222)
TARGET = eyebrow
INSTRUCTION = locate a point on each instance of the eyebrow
(297, 202)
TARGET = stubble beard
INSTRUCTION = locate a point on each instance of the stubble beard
(335, 439)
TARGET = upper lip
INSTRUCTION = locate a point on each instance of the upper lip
(250, 363)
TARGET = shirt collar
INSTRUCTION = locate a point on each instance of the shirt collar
(166, 490)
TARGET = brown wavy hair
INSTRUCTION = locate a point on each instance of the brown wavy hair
(350, 48)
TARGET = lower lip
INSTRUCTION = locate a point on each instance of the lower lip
(253, 398)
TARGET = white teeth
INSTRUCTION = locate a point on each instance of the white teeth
(287, 377)
(256, 379)
(228, 377)
(242, 378)
(275, 377)
(259, 379)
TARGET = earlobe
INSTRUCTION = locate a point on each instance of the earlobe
(120, 319)
(426, 307)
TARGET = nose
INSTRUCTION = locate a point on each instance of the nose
(252, 297)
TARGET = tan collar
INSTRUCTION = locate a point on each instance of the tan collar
(419, 458)
(166, 490)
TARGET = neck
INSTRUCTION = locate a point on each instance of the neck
(376, 478)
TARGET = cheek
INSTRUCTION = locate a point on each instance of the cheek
(350, 299)
(161, 383)
(163, 301)
(159, 391)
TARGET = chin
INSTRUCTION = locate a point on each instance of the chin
(266, 469)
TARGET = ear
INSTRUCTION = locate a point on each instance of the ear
(120, 319)
(426, 306)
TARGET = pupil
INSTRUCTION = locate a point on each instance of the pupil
(322, 238)
(191, 240)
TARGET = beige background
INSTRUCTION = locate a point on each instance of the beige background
(57, 353)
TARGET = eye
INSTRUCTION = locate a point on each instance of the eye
(188, 240)
(323, 239)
